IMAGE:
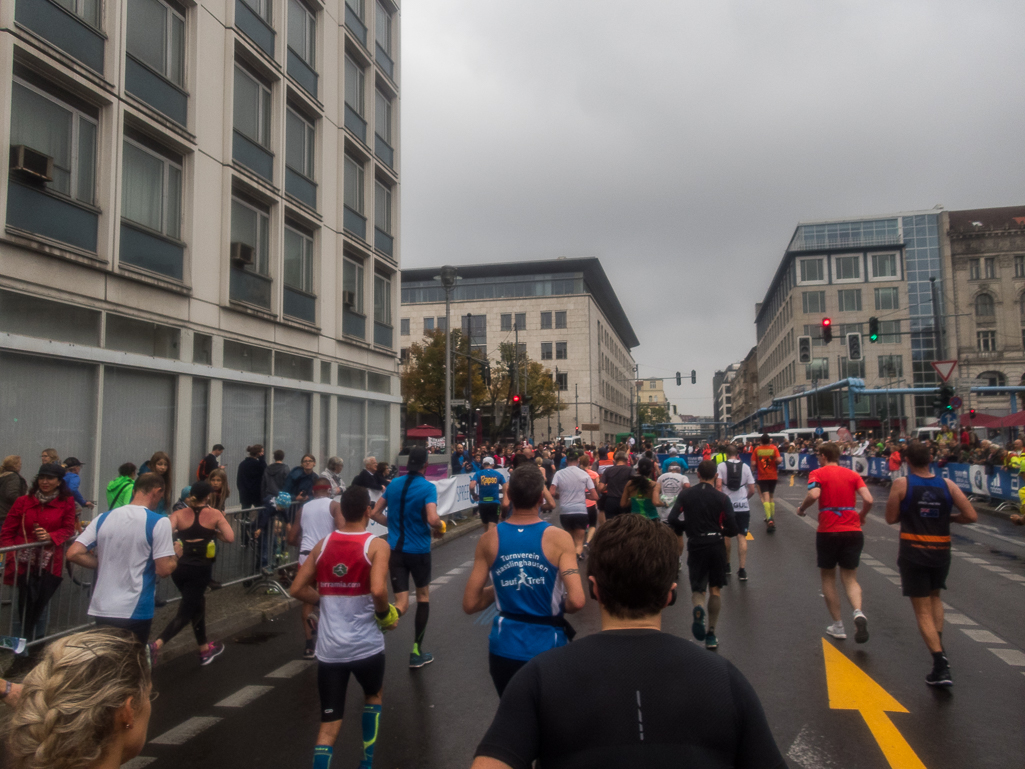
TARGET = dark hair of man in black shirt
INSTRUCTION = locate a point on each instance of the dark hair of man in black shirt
(633, 562)
(526, 485)
(706, 470)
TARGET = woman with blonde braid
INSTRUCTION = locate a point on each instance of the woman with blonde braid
(86, 705)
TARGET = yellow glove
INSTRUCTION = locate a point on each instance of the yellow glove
(443, 528)
(390, 620)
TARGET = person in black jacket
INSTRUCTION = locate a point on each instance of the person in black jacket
(249, 479)
(368, 477)
(274, 476)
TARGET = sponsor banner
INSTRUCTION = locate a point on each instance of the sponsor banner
(860, 466)
(977, 479)
(453, 497)
(790, 462)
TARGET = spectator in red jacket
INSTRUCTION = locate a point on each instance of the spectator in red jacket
(46, 514)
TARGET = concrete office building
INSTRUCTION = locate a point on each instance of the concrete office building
(722, 384)
(984, 254)
(199, 236)
(849, 271)
(744, 388)
(568, 318)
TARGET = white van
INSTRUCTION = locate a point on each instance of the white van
(808, 434)
(776, 438)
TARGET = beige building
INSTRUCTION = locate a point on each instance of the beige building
(984, 252)
(563, 313)
(744, 387)
(652, 392)
(199, 230)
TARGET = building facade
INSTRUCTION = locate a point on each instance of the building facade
(984, 252)
(563, 313)
(744, 387)
(199, 237)
(652, 392)
(850, 271)
(723, 405)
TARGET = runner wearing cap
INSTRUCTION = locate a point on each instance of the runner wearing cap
(488, 485)
(316, 519)
(412, 519)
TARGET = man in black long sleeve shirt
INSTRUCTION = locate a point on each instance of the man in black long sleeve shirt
(707, 516)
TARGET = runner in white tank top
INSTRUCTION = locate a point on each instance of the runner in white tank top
(315, 521)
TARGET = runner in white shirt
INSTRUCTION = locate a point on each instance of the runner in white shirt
(572, 487)
(668, 486)
(129, 547)
(317, 519)
(736, 480)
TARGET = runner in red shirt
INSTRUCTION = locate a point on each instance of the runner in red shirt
(766, 460)
(839, 539)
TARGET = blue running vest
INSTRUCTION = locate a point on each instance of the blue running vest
(525, 583)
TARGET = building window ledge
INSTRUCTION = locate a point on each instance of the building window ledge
(131, 272)
(298, 323)
(252, 309)
(56, 248)
(155, 115)
(266, 187)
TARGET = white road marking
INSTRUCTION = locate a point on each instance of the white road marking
(290, 669)
(894, 580)
(138, 762)
(962, 554)
(1014, 577)
(958, 619)
(871, 561)
(886, 570)
(983, 636)
(185, 731)
(997, 569)
(468, 563)
(976, 560)
(243, 696)
(1011, 657)
(807, 754)
(440, 580)
(992, 531)
(457, 570)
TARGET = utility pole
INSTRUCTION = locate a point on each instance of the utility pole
(448, 279)
(558, 395)
(936, 320)
(635, 393)
(516, 372)
(576, 397)
(469, 383)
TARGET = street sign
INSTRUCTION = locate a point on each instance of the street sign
(944, 368)
(524, 410)
(956, 402)
(963, 386)
(949, 420)
(819, 431)
(458, 403)
(590, 427)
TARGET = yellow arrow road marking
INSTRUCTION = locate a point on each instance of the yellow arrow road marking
(850, 688)
(791, 479)
(749, 536)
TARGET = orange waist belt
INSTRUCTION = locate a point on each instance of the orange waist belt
(925, 537)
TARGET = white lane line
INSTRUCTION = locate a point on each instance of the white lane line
(992, 531)
(440, 580)
(962, 554)
(886, 570)
(983, 636)
(243, 696)
(997, 569)
(894, 580)
(958, 619)
(468, 563)
(138, 762)
(1011, 657)
(290, 669)
(457, 570)
(1014, 577)
(871, 561)
(976, 560)
(184, 732)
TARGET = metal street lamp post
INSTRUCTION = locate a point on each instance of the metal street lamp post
(448, 279)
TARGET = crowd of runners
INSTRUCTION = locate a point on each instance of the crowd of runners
(627, 531)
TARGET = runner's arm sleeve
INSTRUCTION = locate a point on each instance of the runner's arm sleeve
(514, 736)
(87, 538)
(163, 541)
(756, 747)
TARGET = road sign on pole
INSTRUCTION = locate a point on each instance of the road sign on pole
(956, 402)
(949, 420)
(944, 368)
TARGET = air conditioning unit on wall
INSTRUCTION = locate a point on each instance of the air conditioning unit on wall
(349, 298)
(31, 163)
(242, 254)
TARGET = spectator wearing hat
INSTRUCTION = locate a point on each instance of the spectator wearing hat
(46, 514)
(73, 480)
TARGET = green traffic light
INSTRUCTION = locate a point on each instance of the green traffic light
(873, 337)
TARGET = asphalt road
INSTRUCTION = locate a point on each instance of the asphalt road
(256, 705)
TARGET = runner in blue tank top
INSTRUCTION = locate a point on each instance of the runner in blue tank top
(535, 580)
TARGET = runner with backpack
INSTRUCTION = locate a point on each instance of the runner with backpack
(735, 479)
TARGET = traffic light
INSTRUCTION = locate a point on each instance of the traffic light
(577, 429)
(679, 379)
(854, 346)
(693, 376)
(873, 329)
(804, 349)
(971, 413)
(941, 401)
(827, 331)
(486, 374)
(517, 399)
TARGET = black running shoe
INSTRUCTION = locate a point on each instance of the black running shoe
(729, 569)
(698, 626)
(742, 575)
(940, 675)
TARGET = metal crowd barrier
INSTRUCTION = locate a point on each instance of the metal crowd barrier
(259, 558)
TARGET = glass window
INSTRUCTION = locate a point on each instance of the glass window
(404, 327)
(889, 331)
(562, 381)
(252, 107)
(891, 366)
(973, 269)
(262, 8)
(987, 341)
(302, 31)
(357, 7)
(546, 320)
(382, 116)
(382, 31)
(984, 306)
(850, 300)
(382, 299)
(382, 207)
(887, 299)
(521, 321)
(298, 271)
(441, 323)
(300, 137)
(1019, 266)
(560, 319)
(546, 351)
(991, 268)
(353, 184)
(352, 282)
(884, 266)
(87, 10)
(47, 125)
(151, 190)
(251, 226)
(813, 270)
(560, 351)
(505, 322)
(849, 368)
(848, 267)
(355, 81)
(992, 379)
(817, 369)
(156, 37)
(428, 324)
(814, 301)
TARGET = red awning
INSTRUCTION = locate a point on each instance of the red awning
(993, 422)
(424, 431)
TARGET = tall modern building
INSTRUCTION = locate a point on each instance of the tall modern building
(850, 271)
(563, 312)
(199, 230)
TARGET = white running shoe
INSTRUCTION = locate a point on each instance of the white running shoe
(836, 630)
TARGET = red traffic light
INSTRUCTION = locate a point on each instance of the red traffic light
(827, 322)
(516, 399)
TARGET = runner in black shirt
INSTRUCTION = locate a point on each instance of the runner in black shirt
(707, 515)
(615, 479)
(664, 703)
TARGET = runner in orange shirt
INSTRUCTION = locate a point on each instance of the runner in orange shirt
(766, 460)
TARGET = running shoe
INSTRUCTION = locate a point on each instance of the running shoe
(729, 569)
(836, 630)
(861, 623)
(205, 658)
(419, 660)
(698, 626)
(742, 575)
(940, 675)
(711, 642)
(770, 526)
(310, 652)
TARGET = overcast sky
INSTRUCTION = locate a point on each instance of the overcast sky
(681, 142)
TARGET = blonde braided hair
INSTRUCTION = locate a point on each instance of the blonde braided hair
(66, 715)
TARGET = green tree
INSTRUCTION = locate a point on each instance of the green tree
(653, 414)
(423, 377)
(535, 383)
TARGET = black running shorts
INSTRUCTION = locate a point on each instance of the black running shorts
(768, 485)
(573, 521)
(333, 680)
(920, 581)
(743, 522)
(592, 515)
(707, 567)
(488, 512)
(402, 566)
(839, 548)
